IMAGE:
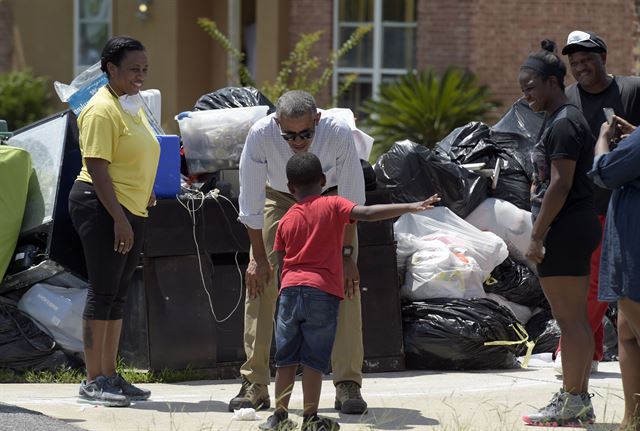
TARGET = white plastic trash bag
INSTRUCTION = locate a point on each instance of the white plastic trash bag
(437, 271)
(444, 255)
(485, 247)
(509, 222)
(58, 310)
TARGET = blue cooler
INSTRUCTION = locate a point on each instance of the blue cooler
(167, 183)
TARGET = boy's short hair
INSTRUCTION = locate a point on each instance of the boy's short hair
(304, 169)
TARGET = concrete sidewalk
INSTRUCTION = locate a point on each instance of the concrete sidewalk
(410, 400)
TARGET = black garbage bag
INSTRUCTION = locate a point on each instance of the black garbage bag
(23, 346)
(370, 181)
(475, 143)
(544, 331)
(457, 143)
(450, 334)
(516, 283)
(414, 172)
(233, 97)
(517, 133)
(521, 122)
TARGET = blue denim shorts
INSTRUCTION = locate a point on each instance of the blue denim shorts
(306, 327)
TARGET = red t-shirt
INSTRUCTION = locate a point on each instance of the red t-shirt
(311, 235)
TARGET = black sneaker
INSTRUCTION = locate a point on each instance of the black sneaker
(133, 392)
(278, 421)
(100, 392)
(316, 423)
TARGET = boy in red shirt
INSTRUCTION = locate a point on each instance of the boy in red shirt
(308, 244)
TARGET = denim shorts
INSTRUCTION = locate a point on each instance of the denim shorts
(306, 327)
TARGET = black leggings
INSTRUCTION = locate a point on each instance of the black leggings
(571, 240)
(109, 272)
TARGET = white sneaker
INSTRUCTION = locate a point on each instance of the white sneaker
(557, 365)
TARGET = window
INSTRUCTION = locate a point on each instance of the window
(384, 53)
(92, 30)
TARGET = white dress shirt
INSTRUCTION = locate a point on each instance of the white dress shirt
(265, 155)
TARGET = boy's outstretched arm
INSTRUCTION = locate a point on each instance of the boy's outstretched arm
(386, 211)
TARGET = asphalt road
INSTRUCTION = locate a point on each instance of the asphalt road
(18, 419)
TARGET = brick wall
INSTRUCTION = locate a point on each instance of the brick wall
(493, 37)
(6, 37)
(308, 16)
(636, 37)
(443, 34)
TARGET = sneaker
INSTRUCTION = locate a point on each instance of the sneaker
(251, 396)
(565, 409)
(557, 365)
(100, 392)
(133, 392)
(348, 398)
(316, 423)
(589, 414)
(278, 421)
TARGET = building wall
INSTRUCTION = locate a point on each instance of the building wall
(46, 52)
(493, 37)
(488, 37)
(184, 62)
(272, 37)
(498, 48)
(443, 34)
(6, 35)
(308, 16)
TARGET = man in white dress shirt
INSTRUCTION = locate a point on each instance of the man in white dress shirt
(296, 126)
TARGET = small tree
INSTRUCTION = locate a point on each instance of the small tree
(23, 98)
(299, 70)
(424, 108)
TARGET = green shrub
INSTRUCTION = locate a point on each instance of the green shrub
(424, 108)
(23, 98)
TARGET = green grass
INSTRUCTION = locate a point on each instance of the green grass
(75, 375)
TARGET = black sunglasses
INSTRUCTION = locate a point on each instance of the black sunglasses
(303, 135)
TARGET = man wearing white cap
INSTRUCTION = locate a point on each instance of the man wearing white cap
(593, 91)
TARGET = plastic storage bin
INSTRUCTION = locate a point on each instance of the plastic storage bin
(214, 139)
(167, 183)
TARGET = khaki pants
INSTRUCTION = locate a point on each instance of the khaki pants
(348, 353)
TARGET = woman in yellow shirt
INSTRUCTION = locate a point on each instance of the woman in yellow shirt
(108, 207)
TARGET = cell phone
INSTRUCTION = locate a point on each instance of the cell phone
(608, 115)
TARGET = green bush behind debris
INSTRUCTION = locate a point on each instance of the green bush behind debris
(24, 98)
(424, 108)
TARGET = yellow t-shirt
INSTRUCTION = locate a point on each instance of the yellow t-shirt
(127, 142)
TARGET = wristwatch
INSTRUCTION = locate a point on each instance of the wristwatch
(347, 250)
